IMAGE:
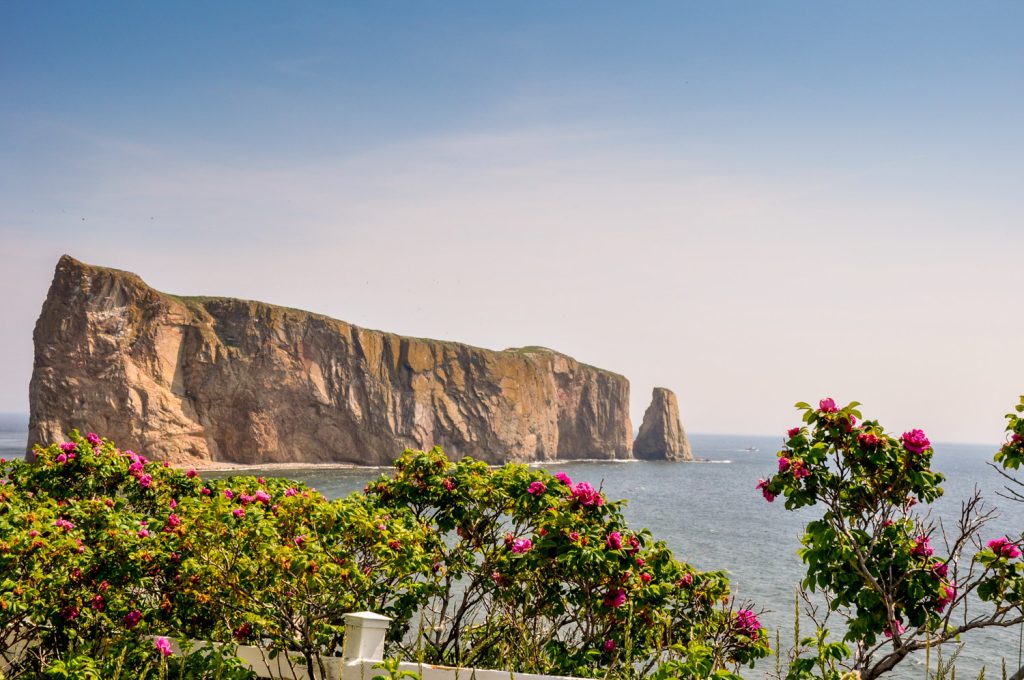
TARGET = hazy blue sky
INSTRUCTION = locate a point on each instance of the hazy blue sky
(749, 203)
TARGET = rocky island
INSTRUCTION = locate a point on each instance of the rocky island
(206, 379)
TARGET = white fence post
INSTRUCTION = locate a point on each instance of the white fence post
(364, 636)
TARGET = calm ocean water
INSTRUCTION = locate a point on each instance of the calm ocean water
(711, 516)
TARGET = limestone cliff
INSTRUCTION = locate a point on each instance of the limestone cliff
(217, 379)
(661, 435)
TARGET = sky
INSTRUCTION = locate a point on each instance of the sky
(749, 203)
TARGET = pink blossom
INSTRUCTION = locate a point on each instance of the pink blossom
(145, 481)
(192, 474)
(132, 618)
(229, 494)
(64, 524)
(521, 545)
(173, 521)
(33, 533)
(135, 469)
(97, 603)
(163, 645)
(615, 599)
(799, 468)
(242, 631)
(948, 595)
(206, 491)
(762, 484)
(70, 612)
(783, 463)
(564, 478)
(900, 630)
(687, 580)
(574, 536)
(609, 645)
(792, 432)
(62, 458)
(537, 488)
(173, 504)
(245, 498)
(940, 569)
(921, 547)
(291, 491)
(827, 405)
(68, 447)
(868, 440)
(299, 540)
(262, 497)
(448, 484)
(747, 623)
(1003, 548)
(238, 512)
(142, 533)
(614, 540)
(92, 438)
(640, 562)
(586, 494)
(645, 577)
(1015, 437)
(915, 441)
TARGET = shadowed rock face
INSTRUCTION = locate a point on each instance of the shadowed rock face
(661, 435)
(218, 379)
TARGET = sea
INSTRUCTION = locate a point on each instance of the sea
(711, 516)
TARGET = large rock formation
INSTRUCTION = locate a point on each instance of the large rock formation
(216, 379)
(661, 435)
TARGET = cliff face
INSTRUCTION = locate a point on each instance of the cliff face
(218, 379)
(661, 435)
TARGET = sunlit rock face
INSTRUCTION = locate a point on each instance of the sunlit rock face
(661, 435)
(202, 379)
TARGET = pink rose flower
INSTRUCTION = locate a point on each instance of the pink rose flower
(614, 540)
(1003, 548)
(564, 478)
(948, 595)
(783, 463)
(587, 495)
(68, 447)
(762, 484)
(687, 580)
(145, 481)
(291, 491)
(868, 440)
(229, 494)
(609, 645)
(792, 432)
(142, 533)
(645, 577)
(799, 468)
(163, 645)
(62, 458)
(206, 491)
(827, 405)
(900, 630)
(64, 524)
(132, 618)
(921, 547)
(92, 438)
(238, 512)
(915, 441)
(521, 545)
(173, 521)
(747, 623)
(940, 569)
(448, 484)
(192, 474)
(615, 599)
(537, 488)
(299, 540)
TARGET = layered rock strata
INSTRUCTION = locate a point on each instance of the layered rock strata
(193, 379)
(661, 435)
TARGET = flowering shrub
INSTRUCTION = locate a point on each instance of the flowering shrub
(871, 555)
(541, 574)
(103, 554)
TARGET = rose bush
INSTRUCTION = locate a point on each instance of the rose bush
(873, 557)
(102, 549)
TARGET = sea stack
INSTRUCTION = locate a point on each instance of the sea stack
(661, 435)
(206, 379)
